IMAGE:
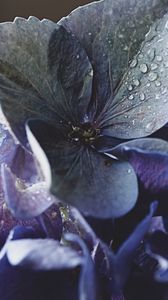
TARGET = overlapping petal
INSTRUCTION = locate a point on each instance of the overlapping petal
(86, 179)
(44, 73)
(113, 35)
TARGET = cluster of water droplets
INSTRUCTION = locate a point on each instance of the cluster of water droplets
(147, 77)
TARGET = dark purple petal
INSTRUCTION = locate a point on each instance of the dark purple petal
(157, 247)
(116, 267)
(51, 80)
(151, 168)
(82, 177)
(158, 243)
(87, 282)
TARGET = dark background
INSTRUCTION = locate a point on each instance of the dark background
(52, 9)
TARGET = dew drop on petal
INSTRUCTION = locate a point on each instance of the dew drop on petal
(131, 97)
(142, 96)
(130, 87)
(166, 25)
(151, 54)
(154, 66)
(91, 73)
(149, 127)
(159, 58)
(166, 64)
(164, 90)
(136, 82)
(143, 68)
(158, 83)
(134, 63)
(129, 171)
(153, 76)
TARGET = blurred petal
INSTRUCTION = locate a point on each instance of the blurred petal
(116, 267)
(42, 254)
(51, 80)
(87, 283)
(21, 283)
(157, 246)
(85, 179)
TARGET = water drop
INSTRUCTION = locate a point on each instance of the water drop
(130, 87)
(142, 96)
(91, 73)
(166, 64)
(153, 76)
(131, 97)
(158, 83)
(154, 66)
(149, 127)
(159, 58)
(148, 84)
(166, 25)
(164, 91)
(134, 63)
(129, 171)
(140, 55)
(151, 54)
(78, 56)
(121, 36)
(136, 82)
(89, 33)
(143, 68)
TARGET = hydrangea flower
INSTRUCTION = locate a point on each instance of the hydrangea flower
(83, 85)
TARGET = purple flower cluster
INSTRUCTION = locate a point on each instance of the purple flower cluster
(84, 154)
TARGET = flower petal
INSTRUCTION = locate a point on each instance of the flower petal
(157, 246)
(44, 73)
(22, 283)
(88, 180)
(140, 105)
(87, 283)
(42, 254)
(111, 32)
(25, 202)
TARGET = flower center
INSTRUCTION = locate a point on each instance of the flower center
(84, 133)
